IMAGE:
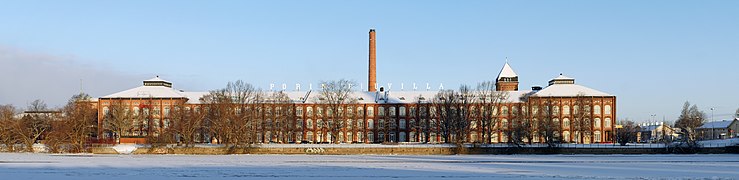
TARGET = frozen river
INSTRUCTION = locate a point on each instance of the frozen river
(140, 167)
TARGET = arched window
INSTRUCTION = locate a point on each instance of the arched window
(596, 137)
(360, 124)
(402, 124)
(349, 124)
(309, 136)
(106, 110)
(401, 137)
(360, 111)
(370, 125)
(310, 111)
(566, 123)
(349, 137)
(504, 110)
(607, 123)
(401, 111)
(359, 137)
(504, 123)
(135, 111)
(566, 110)
(596, 123)
(299, 124)
(555, 111)
(608, 109)
(392, 112)
(566, 136)
(371, 137)
(596, 109)
(381, 111)
(370, 113)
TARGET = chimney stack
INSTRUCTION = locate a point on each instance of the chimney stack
(372, 81)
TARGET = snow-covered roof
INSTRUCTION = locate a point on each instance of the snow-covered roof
(718, 124)
(507, 71)
(194, 97)
(156, 79)
(563, 86)
(568, 90)
(148, 92)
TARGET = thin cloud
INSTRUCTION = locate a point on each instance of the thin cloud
(27, 76)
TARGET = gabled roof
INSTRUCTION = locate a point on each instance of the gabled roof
(718, 124)
(507, 71)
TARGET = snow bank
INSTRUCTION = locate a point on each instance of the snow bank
(126, 148)
(719, 142)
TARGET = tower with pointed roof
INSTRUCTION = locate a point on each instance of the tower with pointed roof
(507, 79)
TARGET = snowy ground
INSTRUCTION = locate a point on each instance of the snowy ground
(139, 167)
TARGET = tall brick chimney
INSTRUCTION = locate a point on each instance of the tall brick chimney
(372, 79)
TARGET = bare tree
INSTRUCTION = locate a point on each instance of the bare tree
(582, 118)
(284, 117)
(490, 100)
(453, 113)
(736, 114)
(186, 123)
(627, 132)
(690, 119)
(7, 119)
(335, 96)
(520, 129)
(71, 132)
(119, 119)
(31, 127)
(548, 126)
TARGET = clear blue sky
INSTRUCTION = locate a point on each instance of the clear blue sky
(654, 55)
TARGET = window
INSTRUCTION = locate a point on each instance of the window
(402, 123)
(412, 137)
(310, 111)
(299, 124)
(504, 110)
(495, 111)
(401, 137)
(349, 137)
(402, 111)
(575, 109)
(380, 111)
(371, 137)
(607, 123)
(412, 111)
(359, 137)
(370, 113)
(341, 136)
(360, 124)
(381, 136)
(166, 111)
(596, 109)
(566, 110)
(566, 123)
(319, 111)
(106, 110)
(360, 111)
(555, 110)
(299, 111)
(596, 137)
(309, 136)
(135, 111)
(370, 124)
(608, 109)
(349, 124)
(504, 123)
(556, 122)
(349, 111)
(596, 123)
(566, 136)
(514, 110)
(309, 124)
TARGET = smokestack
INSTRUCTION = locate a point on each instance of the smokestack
(372, 81)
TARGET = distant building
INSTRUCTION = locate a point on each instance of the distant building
(655, 132)
(380, 115)
(719, 129)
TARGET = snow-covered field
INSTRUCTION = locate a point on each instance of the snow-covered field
(140, 167)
